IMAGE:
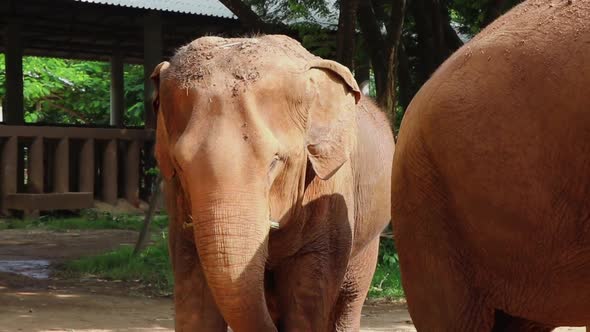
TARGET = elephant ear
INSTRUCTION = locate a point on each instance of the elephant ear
(162, 145)
(330, 130)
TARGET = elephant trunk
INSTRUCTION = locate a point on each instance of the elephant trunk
(231, 235)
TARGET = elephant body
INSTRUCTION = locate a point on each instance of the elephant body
(491, 209)
(277, 180)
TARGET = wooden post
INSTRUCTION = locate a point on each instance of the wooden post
(152, 56)
(35, 166)
(87, 166)
(132, 173)
(117, 90)
(109, 173)
(61, 171)
(13, 113)
(8, 171)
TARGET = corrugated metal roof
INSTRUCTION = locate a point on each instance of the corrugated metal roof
(198, 7)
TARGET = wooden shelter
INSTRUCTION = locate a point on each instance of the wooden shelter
(58, 167)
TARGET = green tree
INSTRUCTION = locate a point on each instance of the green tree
(62, 91)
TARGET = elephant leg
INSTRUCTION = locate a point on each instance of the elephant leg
(355, 288)
(440, 301)
(308, 286)
(506, 323)
(435, 279)
(434, 271)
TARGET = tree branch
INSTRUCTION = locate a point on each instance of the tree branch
(245, 14)
(67, 110)
(252, 20)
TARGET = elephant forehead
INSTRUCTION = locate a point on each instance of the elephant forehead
(236, 62)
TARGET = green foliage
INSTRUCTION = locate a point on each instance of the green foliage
(295, 11)
(317, 41)
(387, 279)
(75, 92)
(151, 267)
(470, 14)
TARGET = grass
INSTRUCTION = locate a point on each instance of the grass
(387, 280)
(151, 267)
(88, 220)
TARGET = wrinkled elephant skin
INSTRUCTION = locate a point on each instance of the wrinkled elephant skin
(491, 195)
(278, 181)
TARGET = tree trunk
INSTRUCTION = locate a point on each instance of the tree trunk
(404, 78)
(346, 33)
(436, 37)
(494, 11)
(376, 45)
(426, 47)
(387, 99)
(452, 40)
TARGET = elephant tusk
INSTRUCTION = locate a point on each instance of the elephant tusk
(274, 225)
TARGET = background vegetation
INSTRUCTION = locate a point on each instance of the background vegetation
(75, 92)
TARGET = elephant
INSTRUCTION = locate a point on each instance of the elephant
(277, 180)
(491, 178)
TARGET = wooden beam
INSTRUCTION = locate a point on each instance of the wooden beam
(109, 173)
(117, 90)
(35, 167)
(49, 201)
(14, 112)
(61, 173)
(152, 55)
(76, 132)
(86, 163)
(8, 171)
(132, 173)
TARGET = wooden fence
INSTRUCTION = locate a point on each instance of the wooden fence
(66, 168)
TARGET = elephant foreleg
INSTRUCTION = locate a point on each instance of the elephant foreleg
(355, 287)
(308, 288)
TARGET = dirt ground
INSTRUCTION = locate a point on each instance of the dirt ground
(30, 304)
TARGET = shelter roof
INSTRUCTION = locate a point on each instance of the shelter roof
(96, 29)
(198, 7)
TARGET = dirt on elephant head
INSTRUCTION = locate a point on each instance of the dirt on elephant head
(558, 16)
(239, 61)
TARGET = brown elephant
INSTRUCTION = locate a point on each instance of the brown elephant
(491, 195)
(277, 184)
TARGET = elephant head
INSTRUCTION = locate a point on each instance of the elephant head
(239, 121)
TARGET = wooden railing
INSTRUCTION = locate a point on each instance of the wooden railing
(66, 168)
